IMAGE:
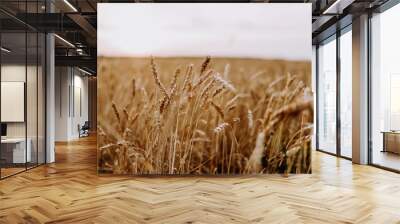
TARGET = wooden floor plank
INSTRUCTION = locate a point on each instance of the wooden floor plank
(70, 191)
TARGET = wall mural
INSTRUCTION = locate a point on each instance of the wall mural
(175, 111)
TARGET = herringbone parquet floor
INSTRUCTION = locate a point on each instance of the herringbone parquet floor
(70, 191)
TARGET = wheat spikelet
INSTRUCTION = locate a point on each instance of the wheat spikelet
(293, 108)
(173, 85)
(256, 75)
(200, 132)
(218, 109)
(275, 82)
(205, 93)
(207, 88)
(157, 119)
(116, 113)
(218, 91)
(134, 118)
(299, 132)
(202, 79)
(205, 64)
(188, 77)
(225, 83)
(221, 127)
(133, 88)
(227, 69)
(163, 105)
(157, 78)
(250, 118)
(232, 101)
(126, 114)
(175, 78)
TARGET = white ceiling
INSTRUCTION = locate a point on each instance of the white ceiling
(251, 30)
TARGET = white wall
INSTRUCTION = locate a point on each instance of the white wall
(17, 73)
(62, 81)
(80, 84)
(14, 73)
(69, 82)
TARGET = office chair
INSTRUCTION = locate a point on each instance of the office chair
(84, 130)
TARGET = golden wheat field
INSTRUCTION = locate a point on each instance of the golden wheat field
(208, 116)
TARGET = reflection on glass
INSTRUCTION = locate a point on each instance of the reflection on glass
(394, 102)
(22, 91)
(346, 94)
(385, 84)
(15, 151)
(31, 101)
(41, 98)
(327, 97)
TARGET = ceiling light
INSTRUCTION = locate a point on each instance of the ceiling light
(70, 5)
(5, 50)
(79, 51)
(65, 41)
(326, 11)
(337, 7)
(84, 71)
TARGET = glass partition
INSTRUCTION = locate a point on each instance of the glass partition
(14, 153)
(32, 95)
(22, 77)
(327, 96)
(346, 93)
(41, 107)
(385, 89)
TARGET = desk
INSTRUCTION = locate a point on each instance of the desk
(391, 141)
(13, 150)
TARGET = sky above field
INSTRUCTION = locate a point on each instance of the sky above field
(270, 31)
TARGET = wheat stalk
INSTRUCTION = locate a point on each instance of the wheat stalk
(203, 123)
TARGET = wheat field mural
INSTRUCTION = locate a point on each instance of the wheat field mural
(204, 116)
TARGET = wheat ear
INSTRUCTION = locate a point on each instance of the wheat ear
(205, 65)
(157, 78)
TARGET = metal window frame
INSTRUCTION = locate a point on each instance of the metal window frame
(0, 92)
(387, 5)
(334, 37)
(44, 74)
(381, 9)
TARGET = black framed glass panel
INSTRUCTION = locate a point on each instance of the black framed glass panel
(15, 150)
(41, 97)
(385, 89)
(327, 96)
(346, 92)
(32, 97)
(23, 89)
